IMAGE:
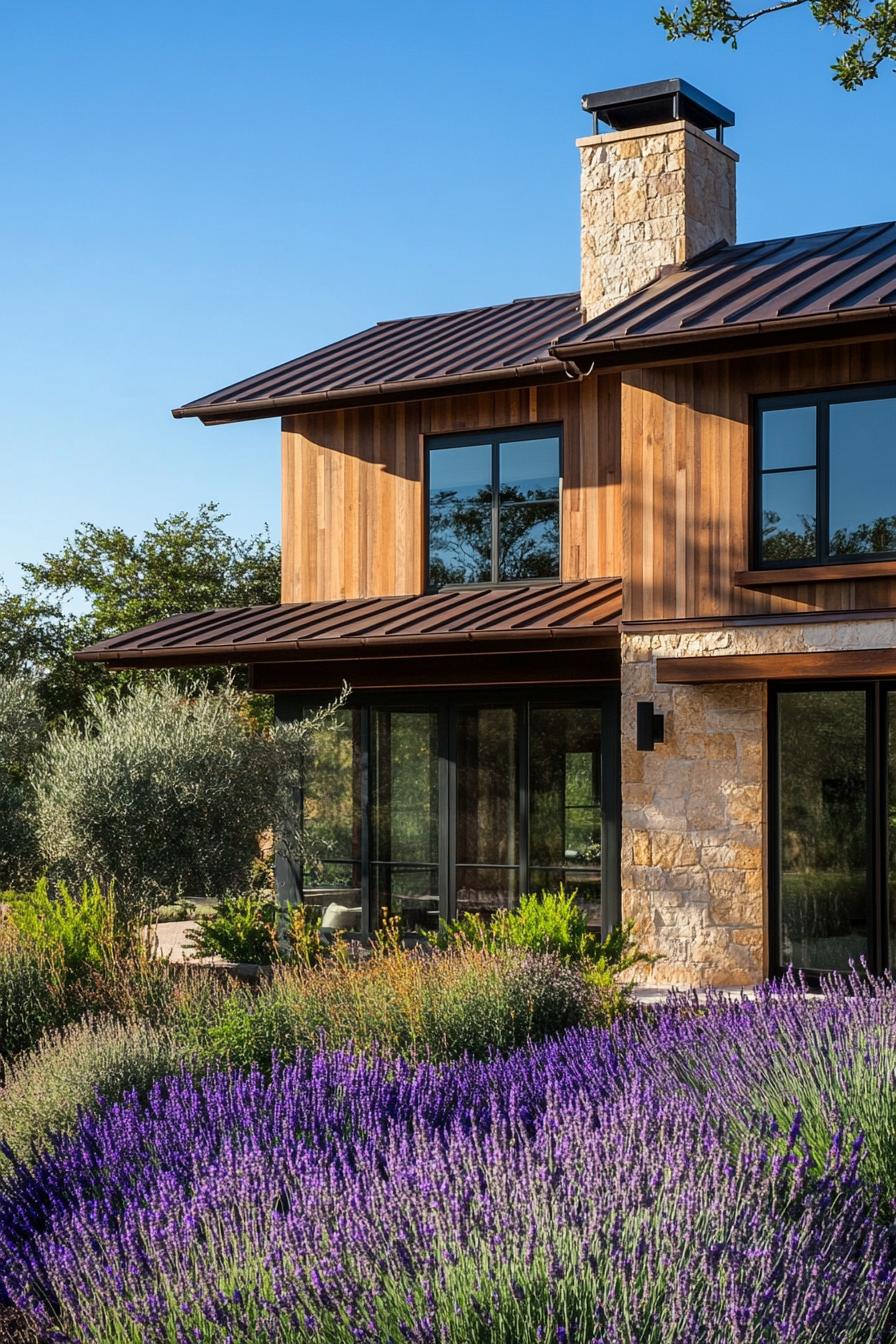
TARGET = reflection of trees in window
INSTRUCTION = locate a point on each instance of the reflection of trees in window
(529, 526)
(867, 538)
(330, 794)
(780, 543)
(494, 509)
(460, 537)
(827, 462)
(783, 543)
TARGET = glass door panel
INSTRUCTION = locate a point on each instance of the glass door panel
(404, 870)
(565, 820)
(487, 793)
(824, 845)
(332, 824)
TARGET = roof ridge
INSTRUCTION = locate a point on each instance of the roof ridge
(791, 238)
(477, 308)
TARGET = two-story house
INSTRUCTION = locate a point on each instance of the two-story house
(612, 576)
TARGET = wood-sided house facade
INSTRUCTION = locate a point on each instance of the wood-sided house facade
(612, 576)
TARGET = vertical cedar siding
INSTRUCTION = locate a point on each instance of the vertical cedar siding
(353, 506)
(686, 463)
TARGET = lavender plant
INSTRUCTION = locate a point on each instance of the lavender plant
(578, 1191)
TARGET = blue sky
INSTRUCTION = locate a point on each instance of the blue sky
(195, 191)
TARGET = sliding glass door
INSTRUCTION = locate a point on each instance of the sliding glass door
(404, 773)
(565, 792)
(833, 868)
(486, 808)
(424, 812)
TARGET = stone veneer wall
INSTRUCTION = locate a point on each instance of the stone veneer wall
(651, 197)
(694, 875)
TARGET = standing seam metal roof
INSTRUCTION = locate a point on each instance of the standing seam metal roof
(848, 272)
(476, 342)
(731, 289)
(245, 634)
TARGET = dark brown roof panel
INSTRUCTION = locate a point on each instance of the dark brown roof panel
(249, 634)
(818, 276)
(478, 344)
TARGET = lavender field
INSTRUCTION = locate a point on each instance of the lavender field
(710, 1174)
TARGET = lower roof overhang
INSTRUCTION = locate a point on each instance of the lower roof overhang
(543, 633)
(808, 666)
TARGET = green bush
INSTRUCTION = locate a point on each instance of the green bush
(245, 928)
(174, 913)
(46, 1089)
(74, 929)
(28, 997)
(22, 732)
(242, 928)
(547, 921)
(415, 1004)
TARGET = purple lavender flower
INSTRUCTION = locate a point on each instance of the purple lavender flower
(712, 1175)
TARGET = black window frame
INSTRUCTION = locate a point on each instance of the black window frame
(492, 438)
(822, 402)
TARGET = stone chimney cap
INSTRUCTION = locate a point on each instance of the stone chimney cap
(651, 104)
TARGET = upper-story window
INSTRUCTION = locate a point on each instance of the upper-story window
(826, 477)
(494, 506)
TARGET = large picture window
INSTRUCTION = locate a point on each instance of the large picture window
(493, 507)
(826, 477)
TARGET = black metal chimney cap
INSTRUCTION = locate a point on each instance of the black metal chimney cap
(650, 104)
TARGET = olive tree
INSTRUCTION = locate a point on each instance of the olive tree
(167, 793)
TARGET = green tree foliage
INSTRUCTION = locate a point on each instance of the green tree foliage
(22, 732)
(104, 581)
(868, 25)
(166, 795)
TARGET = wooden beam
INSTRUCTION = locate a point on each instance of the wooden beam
(776, 666)
(448, 671)
(848, 573)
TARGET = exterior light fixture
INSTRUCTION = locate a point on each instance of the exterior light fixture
(650, 726)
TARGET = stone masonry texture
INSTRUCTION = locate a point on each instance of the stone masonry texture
(651, 198)
(694, 824)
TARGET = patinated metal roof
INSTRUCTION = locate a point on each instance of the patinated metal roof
(251, 634)
(844, 273)
(478, 346)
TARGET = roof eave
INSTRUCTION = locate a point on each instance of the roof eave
(549, 370)
(627, 349)
(605, 635)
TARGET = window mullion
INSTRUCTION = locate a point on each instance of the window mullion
(496, 507)
(822, 480)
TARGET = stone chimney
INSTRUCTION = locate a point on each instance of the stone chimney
(657, 188)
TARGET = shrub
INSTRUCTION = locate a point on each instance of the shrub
(46, 1089)
(414, 1004)
(550, 921)
(173, 913)
(73, 929)
(831, 1058)
(27, 996)
(167, 795)
(241, 928)
(22, 731)
(246, 928)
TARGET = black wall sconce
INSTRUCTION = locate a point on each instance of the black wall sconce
(650, 726)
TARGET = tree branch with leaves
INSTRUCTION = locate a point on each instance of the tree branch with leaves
(869, 26)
